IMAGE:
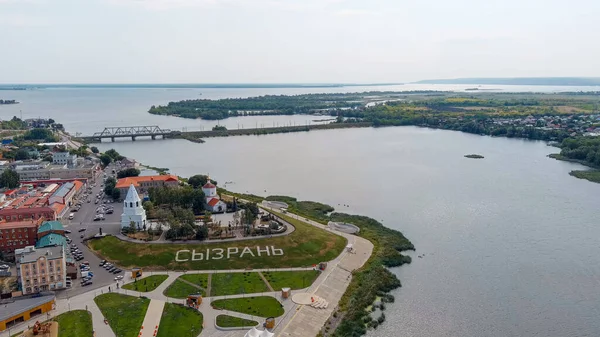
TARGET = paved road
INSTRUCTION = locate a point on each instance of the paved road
(84, 219)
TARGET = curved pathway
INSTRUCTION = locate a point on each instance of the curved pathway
(298, 320)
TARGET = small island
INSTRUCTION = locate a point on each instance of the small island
(8, 101)
(474, 156)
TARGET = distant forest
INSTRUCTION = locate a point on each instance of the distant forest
(566, 81)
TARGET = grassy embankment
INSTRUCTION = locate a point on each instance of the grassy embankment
(584, 151)
(146, 284)
(198, 136)
(178, 320)
(261, 306)
(74, 323)
(388, 243)
(125, 314)
(304, 247)
(226, 321)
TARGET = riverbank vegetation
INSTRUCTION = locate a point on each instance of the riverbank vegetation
(582, 150)
(388, 245)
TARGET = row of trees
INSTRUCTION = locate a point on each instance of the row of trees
(110, 189)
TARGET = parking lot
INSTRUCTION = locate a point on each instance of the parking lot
(83, 226)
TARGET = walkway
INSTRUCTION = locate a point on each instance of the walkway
(152, 318)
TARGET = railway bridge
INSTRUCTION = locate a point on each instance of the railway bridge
(132, 132)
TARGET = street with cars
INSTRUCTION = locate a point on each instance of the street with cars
(92, 213)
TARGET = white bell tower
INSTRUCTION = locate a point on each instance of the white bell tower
(133, 210)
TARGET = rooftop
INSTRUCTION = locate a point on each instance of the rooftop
(16, 305)
(19, 224)
(50, 225)
(50, 240)
(63, 190)
(135, 181)
(49, 252)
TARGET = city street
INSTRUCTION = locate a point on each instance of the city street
(84, 219)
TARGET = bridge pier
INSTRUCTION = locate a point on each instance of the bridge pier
(112, 139)
(133, 138)
(153, 137)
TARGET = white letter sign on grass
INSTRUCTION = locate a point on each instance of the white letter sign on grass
(219, 253)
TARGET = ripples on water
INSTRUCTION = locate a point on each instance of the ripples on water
(510, 241)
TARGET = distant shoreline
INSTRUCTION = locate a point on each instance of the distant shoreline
(189, 85)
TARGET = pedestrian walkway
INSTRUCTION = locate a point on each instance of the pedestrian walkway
(152, 320)
(265, 280)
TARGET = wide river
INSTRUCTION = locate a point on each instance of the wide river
(510, 242)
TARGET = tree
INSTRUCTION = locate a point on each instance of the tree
(94, 149)
(106, 159)
(109, 186)
(201, 233)
(22, 154)
(197, 180)
(9, 179)
(132, 227)
(116, 194)
(130, 172)
(113, 154)
(219, 128)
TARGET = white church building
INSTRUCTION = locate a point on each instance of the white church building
(213, 202)
(133, 210)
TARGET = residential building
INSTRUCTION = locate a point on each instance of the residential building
(66, 192)
(20, 309)
(129, 163)
(143, 183)
(42, 170)
(133, 210)
(41, 269)
(27, 207)
(18, 234)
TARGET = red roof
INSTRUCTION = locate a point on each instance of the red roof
(209, 185)
(212, 202)
(125, 182)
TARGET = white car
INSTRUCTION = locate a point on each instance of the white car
(120, 277)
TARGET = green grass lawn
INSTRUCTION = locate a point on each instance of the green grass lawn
(178, 320)
(125, 314)
(291, 279)
(198, 279)
(226, 321)
(237, 283)
(180, 289)
(262, 306)
(146, 284)
(74, 323)
(305, 247)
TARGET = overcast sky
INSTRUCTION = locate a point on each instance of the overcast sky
(299, 41)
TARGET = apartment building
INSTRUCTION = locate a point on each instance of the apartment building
(41, 269)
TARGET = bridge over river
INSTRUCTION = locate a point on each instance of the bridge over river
(132, 132)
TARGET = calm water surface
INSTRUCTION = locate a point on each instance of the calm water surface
(510, 242)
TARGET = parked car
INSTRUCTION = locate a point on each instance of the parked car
(102, 263)
(86, 283)
(81, 236)
(67, 231)
(81, 229)
(118, 277)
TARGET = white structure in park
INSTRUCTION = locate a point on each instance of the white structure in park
(254, 332)
(213, 202)
(133, 210)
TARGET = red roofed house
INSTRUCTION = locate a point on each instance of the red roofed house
(18, 234)
(213, 202)
(143, 183)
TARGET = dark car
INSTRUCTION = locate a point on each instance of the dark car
(86, 283)
(82, 229)
(67, 231)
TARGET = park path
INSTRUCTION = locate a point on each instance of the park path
(152, 318)
(192, 284)
(209, 285)
(265, 280)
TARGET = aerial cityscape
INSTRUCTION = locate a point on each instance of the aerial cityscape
(328, 168)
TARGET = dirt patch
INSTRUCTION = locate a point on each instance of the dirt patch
(567, 109)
